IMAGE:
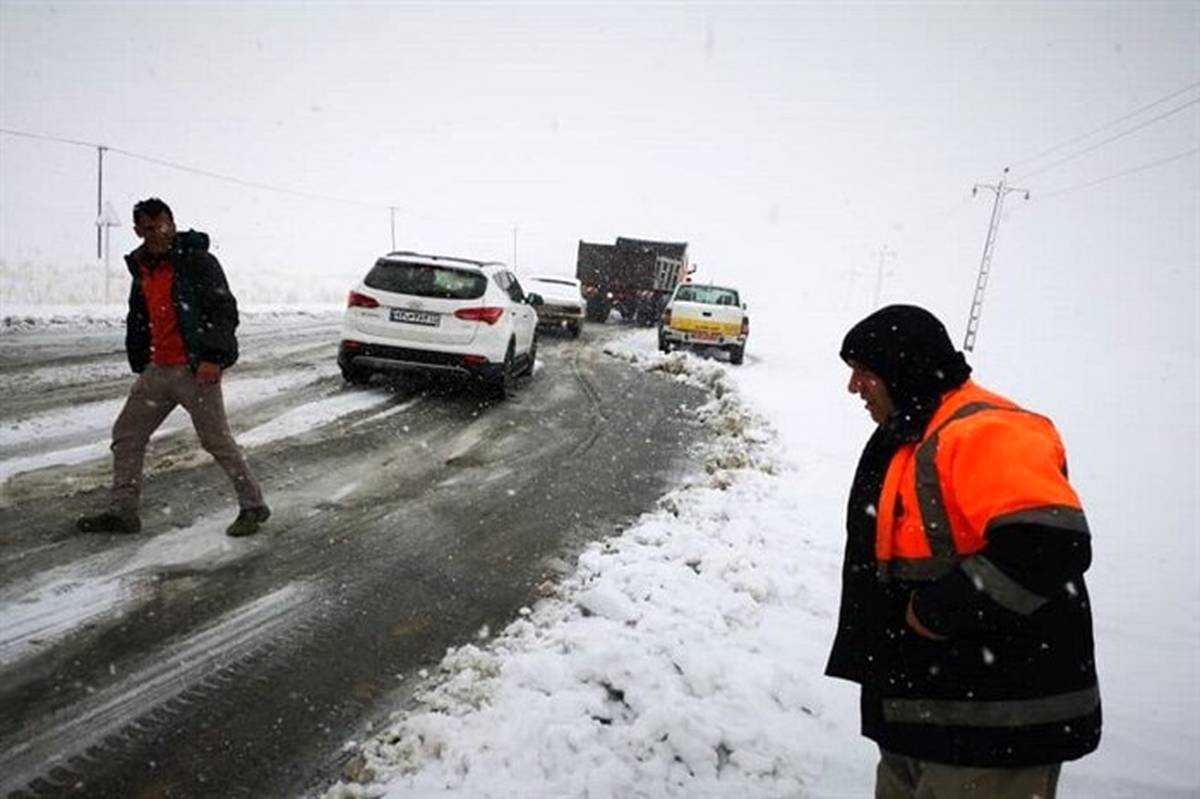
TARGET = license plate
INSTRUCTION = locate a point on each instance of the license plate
(427, 318)
(704, 335)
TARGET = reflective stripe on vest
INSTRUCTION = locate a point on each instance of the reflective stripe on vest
(937, 529)
(1002, 589)
(1008, 713)
(943, 556)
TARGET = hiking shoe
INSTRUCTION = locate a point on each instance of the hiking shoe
(110, 522)
(248, 521)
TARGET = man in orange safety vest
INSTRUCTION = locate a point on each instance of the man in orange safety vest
(964, 613)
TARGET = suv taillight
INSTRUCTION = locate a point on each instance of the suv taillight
(666, 318)
(356, 300)
(489, 314)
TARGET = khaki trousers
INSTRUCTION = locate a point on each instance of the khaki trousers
(899, 777)
(153, 396)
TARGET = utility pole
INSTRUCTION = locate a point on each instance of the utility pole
(99, 196)
(884, 252)
(107, 220)
(1001, 190)
(514, 248)
(392, 209)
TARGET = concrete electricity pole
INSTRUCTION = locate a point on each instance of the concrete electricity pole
(99, 198)
(989, 247)
(884, 252)
(392, 209)
(107, 221)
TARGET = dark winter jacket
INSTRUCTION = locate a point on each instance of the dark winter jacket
(204, 305)
(1016, 682)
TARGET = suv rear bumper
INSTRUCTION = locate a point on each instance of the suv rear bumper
(551, 315)
(383, 358)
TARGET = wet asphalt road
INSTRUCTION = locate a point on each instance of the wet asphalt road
(214, 667)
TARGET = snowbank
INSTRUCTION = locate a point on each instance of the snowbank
(678, 660)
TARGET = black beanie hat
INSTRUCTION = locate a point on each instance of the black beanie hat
(909, 349)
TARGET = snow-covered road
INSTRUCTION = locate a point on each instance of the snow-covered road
(406, 517)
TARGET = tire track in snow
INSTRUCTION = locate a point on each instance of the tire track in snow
(56, 610)
(53, 754)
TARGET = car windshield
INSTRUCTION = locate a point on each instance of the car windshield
(426, 280)
(709, 295)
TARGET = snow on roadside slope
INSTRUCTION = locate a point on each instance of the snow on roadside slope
(52, 438)
(26, 317)
(678, 660)
(95, 419)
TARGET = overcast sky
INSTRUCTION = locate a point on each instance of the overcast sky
(786, 143)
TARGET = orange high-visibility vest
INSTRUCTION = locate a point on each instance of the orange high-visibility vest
(983, 462)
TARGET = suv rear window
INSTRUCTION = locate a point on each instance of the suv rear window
(426, 280)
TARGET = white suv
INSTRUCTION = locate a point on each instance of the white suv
(437, 314)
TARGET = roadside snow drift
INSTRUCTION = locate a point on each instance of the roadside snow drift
(658, 669)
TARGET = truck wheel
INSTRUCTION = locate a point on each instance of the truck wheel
(663, 344)
(736, 354)
(574, 328)
(598, 311)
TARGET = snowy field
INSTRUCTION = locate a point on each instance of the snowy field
(684, 656)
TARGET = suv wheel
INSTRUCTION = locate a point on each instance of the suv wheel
(736, 354)
(501, 385)
(355, 377)
(528, 370)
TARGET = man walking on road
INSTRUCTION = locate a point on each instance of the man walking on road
(179, 336)
(964, 613)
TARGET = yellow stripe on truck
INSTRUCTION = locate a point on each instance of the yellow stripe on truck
(686, 325)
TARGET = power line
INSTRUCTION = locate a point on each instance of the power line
(1111, 139)
(41, 137)
(1106, 178)
(248, 183)
(1106, 125)
(196, 171)
(391, 209)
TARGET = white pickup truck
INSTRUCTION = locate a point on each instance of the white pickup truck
(705, 316)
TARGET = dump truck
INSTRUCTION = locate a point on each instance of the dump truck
(635, 276)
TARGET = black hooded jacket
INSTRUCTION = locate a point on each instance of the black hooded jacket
(204, 305)
(992, 658)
